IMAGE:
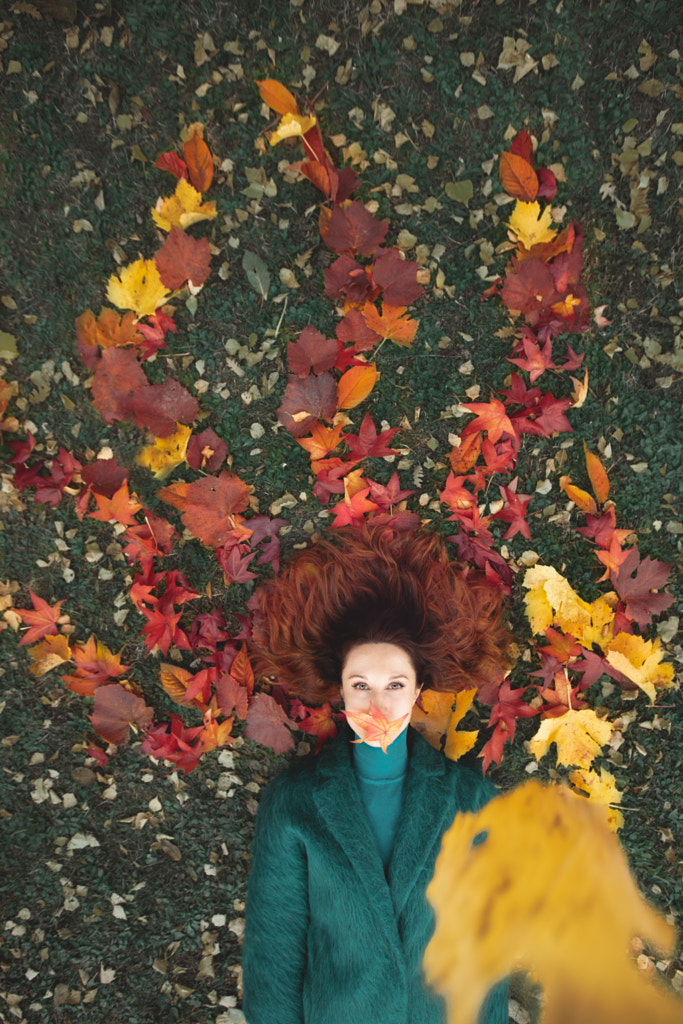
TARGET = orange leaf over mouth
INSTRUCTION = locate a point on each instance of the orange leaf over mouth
(375, 727)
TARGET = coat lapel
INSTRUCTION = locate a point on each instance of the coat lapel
(427, 810)
(338, 801)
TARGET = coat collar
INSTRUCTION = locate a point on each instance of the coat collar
(426, 806)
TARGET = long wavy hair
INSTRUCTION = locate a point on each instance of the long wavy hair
(382, 584)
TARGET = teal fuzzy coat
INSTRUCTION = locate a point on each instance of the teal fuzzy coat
(329, 938)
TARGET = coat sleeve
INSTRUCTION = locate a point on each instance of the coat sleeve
(276, 927)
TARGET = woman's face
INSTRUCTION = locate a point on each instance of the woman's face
(382, 674)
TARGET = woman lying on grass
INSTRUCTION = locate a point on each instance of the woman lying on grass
(336, 919)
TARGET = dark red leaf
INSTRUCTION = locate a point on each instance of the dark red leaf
(117, 377)
(346, 279)
(116, 709)
(636, 584)
(311, 351)
(307, 400)
(353, 329)
(268, 724)
(206, 451)
(397, 278)
(353, 230)
(158, 407)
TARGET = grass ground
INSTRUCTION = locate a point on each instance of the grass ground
(124, 887)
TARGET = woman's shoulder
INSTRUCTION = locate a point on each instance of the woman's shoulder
(463, 777)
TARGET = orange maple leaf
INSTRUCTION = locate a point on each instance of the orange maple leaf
(391, 323)
(322, 441)
(375, 727)
(42, 620)
(108, 330)
(121, 508)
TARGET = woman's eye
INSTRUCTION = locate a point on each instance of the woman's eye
(395, 686)
(360, 686)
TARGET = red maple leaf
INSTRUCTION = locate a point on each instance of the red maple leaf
(268, 724)
(154, 333)
(510, 706)
(50, 489)
(235, 566)
(160, 407)
(117, 377)
(352, 230)
(552, 418)
(514, 511)
(536, 360)
(491, 417)
(367, 442)
(175, 743)
(636, 584)
(311, 351)
(116, 710)
(151, 538)
(42, 620)
(206, 451)
(183, 258)
(307, 400)
(492, 751)
(397, 278)
(104, 476)
(386, 496)
(209, 505)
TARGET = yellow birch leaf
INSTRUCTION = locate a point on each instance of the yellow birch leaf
(291, 125)
(579, 736)
(640, 661)
(138, 287)
(530, 225)
(601, 790)
(458, 743)
(166, 453)
(568, 921)
(183, 208)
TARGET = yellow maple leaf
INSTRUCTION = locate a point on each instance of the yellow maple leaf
(291, 125)
(569, 921)
(431, 720)
(458, 742)
(579, 736)
(166, 453)
(183, 208)
(552, 601)
(640, 661)
(138, 287)
(50, 652)
(602, 790)
(530, 225)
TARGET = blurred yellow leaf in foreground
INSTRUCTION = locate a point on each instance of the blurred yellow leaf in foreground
(567, 918)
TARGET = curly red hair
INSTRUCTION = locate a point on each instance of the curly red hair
(383, 584)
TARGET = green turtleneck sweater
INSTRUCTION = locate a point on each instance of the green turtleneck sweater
(380, 780)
